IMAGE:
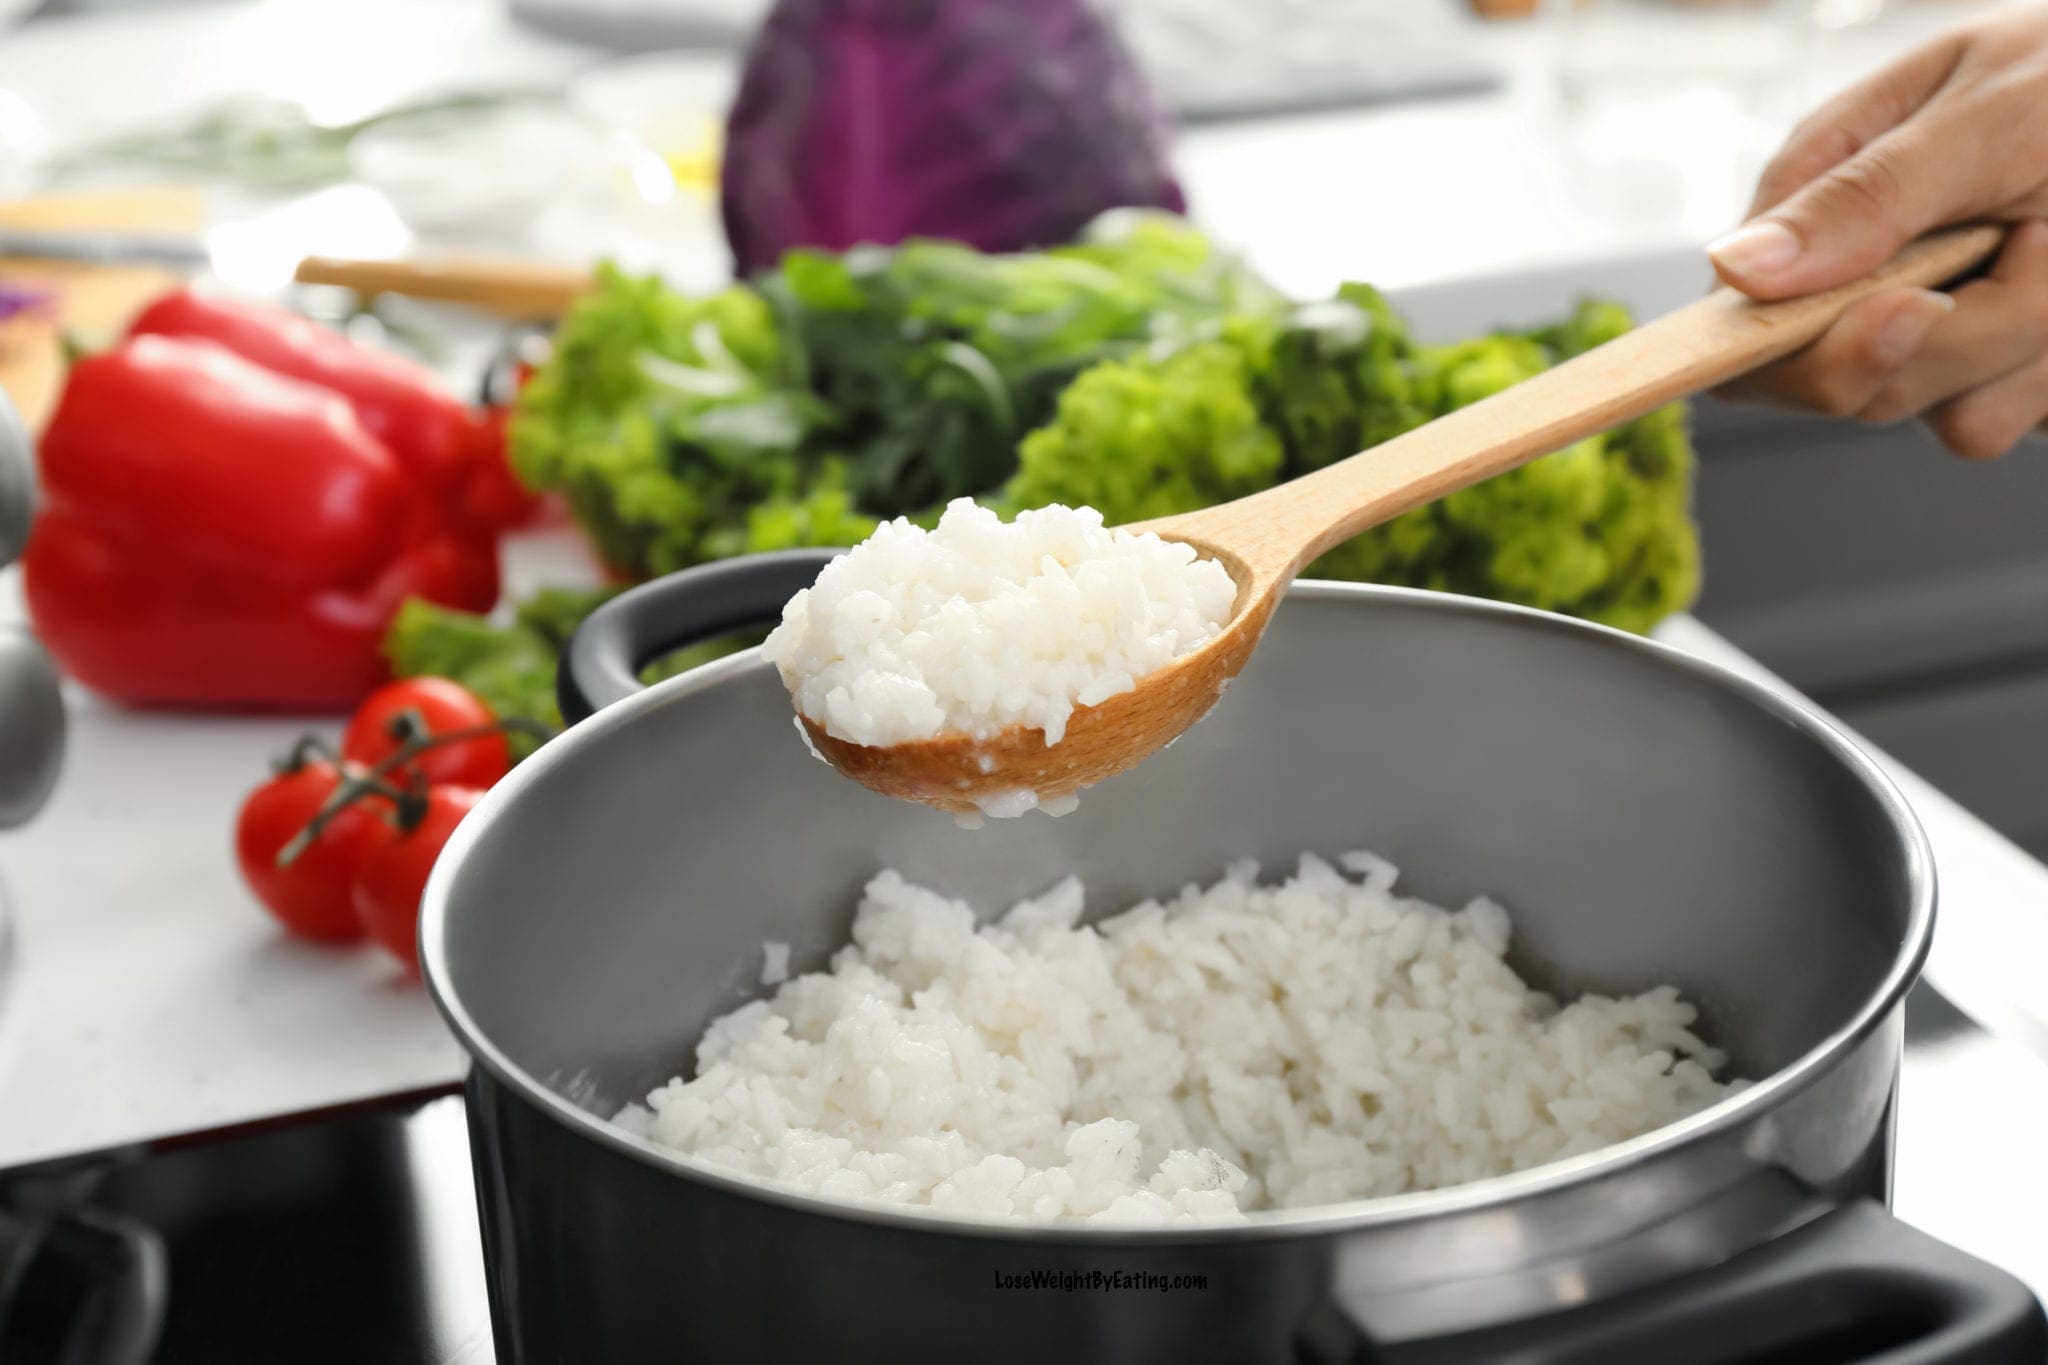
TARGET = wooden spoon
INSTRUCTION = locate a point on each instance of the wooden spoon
(1267, 538)
(519, 290)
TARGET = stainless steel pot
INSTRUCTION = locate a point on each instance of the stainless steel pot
(1646, 817)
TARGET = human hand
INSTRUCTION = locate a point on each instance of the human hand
(1955, 130)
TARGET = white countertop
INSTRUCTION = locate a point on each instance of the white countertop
(148, 996)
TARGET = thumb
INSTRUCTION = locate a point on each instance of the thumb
(1851, 218)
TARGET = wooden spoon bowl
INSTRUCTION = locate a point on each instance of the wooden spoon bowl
(1266, 539)
(959, 773)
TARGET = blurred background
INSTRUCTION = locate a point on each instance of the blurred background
(385, 166)
(1423, 139)
(1531, 129)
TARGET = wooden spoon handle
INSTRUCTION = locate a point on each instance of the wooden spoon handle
(1707, 343)
(516, 289)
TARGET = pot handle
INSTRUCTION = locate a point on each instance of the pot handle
(1854, 1284)
(601, 663)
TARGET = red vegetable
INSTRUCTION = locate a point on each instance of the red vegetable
(415, 707)
(172, 633)
(491, 493)
(394, 871)
(401, 403)
(334, 849)
(312, 895)
(217, 535)
(181, 443)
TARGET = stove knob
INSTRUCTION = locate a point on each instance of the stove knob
(31, 726)
(31, 706)
(17, 483)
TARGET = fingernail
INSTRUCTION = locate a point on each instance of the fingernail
(1755, 250)
(1910, 323)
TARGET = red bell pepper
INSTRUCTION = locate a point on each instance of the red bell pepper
(185, 445)
(456, 452)
(214, 534)
(403, 403)
(492, 495)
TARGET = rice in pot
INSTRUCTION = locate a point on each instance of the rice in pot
(1238, 1047)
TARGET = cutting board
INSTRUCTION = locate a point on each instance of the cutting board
(92, 302)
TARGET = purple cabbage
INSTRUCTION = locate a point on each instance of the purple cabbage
(1003, 124)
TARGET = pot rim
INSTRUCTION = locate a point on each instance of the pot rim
(1728, 1113)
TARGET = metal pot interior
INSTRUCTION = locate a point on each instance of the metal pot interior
(1645, 819)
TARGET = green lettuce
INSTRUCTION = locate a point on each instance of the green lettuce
(1139, 371)
(1601, 530)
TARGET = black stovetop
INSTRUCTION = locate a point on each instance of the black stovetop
(349, 1239)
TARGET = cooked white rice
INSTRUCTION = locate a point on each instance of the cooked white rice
(981, 625)
(1234, 1048)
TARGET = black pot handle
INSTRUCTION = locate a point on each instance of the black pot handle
(603, 659)
(1854, 1284)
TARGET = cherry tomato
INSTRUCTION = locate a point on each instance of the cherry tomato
(441, 706)
(312, 895)
(394, 872)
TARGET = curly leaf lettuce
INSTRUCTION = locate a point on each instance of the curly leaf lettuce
(665, 418)
(1140, 371)
(1601, 530)
(1185, 428)
(903, 376)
